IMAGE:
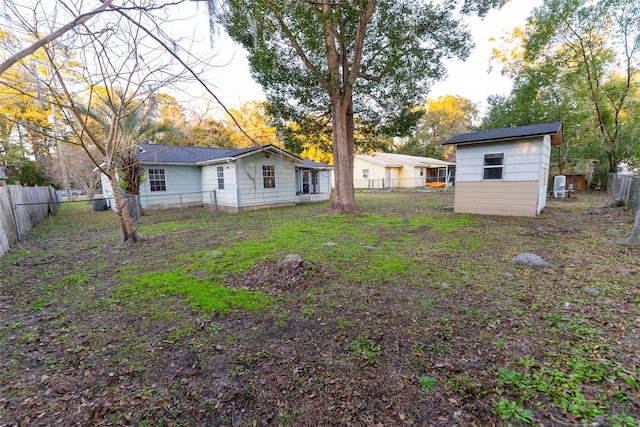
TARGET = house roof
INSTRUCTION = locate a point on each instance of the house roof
(315, 165)
(157, 153)
(376, 161)
(418, 161)
(519, 132)
(180, 154)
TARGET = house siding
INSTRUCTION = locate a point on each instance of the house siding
(251, 191)
(183, 180)
(521, 160)
(518, 198)
(226, 197)
(378, 175)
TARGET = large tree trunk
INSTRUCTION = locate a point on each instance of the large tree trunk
(129, 234)
(343, 152)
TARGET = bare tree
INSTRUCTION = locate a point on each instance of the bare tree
(81, 170)
(44, 40)
(123, 69)
(100, 76)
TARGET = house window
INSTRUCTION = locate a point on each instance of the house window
(157, 180)
(220, 171)
(269, 176)
(365, 173)
(493, 165)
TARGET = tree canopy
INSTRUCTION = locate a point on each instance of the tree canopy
(577, 61)
(374, 60)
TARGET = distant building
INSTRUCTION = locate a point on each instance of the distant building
(388, 170)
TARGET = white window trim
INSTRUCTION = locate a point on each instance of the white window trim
(157, 173)
(500, 166)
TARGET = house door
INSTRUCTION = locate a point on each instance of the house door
(387, 178)
(305, 182)
(314, 182)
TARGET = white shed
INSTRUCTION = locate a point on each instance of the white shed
(504, 171)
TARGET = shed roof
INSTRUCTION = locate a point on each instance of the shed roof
(519, 132)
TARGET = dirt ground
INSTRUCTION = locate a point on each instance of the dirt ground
(433, 346)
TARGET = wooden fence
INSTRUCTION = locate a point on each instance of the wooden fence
(625, 187)
(35, 201)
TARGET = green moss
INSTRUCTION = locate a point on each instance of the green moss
(205, 296)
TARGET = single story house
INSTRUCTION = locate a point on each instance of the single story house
(389, 170)
(504, 171)
(243, 179)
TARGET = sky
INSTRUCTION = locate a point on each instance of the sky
(233, 84)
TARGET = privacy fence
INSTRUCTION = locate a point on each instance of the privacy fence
(38, 203)
(625, 187)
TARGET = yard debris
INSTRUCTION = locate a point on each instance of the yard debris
(529, 259)
(290, 272)
(292, 264)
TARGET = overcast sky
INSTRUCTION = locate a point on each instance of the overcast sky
(470, 79)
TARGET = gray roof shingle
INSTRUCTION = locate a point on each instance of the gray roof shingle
(553, 128)
(157, 153)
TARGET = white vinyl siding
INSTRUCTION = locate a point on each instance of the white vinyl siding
(521, 160)
(251, 191)
(184, 180)
(210, 181)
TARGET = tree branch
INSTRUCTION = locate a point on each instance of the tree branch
(6, 64)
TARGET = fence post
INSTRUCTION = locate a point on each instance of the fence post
(15, 219)
(136, 200)
(214, 202)
(181, 212)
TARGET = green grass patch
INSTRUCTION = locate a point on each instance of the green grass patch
(205, 296)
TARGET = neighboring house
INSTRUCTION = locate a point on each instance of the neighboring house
(388, 170)
(504, 171)
(243, 179)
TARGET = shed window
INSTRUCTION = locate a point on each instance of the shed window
(493, 165)
(157, 180)
(269, 176)
(365, 173)
(220, 171)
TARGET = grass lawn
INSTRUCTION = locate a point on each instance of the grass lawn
(403, 314)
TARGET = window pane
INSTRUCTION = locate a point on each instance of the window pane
(493, 159)
(269, 176)
(157, 181)
(493, 173)
(220, 172)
